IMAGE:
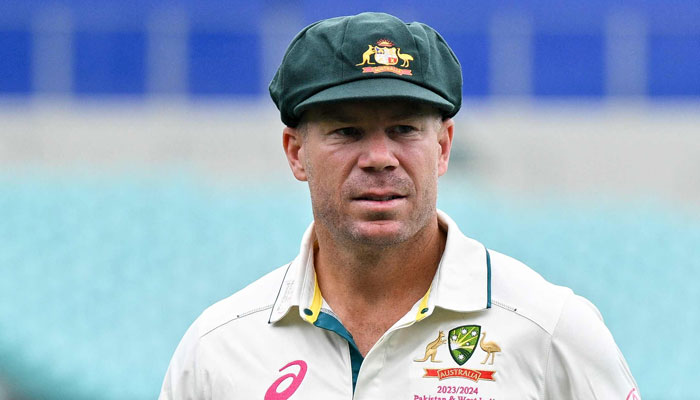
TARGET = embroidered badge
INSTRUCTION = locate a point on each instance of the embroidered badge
(463, 341)
(431, 348)
(388, 55)
(491, 348)
(462, 344)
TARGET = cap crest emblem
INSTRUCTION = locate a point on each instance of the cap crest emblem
(386, 54)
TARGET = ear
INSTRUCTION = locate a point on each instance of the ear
(292, 143)
(445, 142)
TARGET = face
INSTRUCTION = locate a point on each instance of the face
(372, 168)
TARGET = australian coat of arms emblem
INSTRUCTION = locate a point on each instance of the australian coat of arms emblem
(387, 55)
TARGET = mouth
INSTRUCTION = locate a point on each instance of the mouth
(378, 203)
(379, 198)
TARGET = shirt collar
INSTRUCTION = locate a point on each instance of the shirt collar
(462, 282)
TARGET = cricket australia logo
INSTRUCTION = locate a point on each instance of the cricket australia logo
(463, 341)
(388, 55)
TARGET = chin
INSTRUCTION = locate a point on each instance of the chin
(380, 233)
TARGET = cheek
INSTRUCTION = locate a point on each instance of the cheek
(335, 165)
(325, 173)
(423, 164)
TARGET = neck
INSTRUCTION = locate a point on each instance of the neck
(354, 280)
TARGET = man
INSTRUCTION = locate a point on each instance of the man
(387, 298)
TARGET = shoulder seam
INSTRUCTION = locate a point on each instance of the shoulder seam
(503, 305)
(253, 311)
(238, 316)
(514, 310)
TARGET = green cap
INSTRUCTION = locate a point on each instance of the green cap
(364, 57)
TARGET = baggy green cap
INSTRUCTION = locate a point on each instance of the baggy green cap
(369, 56)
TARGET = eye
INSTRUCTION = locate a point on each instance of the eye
(402, 129)
(349, 132)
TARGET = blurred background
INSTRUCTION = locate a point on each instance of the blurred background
(142, 177)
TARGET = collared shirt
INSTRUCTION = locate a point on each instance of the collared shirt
(489, 327)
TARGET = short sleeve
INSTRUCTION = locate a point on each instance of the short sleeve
(584, 362)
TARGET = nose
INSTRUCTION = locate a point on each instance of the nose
(377, 153)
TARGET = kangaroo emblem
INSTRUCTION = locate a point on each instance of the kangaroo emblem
(431, 348)
(366, 55)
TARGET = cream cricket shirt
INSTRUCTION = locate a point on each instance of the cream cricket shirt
(489, 328)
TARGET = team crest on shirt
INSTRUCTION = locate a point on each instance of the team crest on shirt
(463, 343)
(387, 55)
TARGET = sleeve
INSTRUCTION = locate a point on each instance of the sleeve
(584, 362)
(184, 379)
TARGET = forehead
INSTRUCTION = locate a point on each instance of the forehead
(356, 111)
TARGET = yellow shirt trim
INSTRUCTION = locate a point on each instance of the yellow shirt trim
(423, 306)
(316, 303)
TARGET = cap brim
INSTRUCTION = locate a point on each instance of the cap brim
(375, 89)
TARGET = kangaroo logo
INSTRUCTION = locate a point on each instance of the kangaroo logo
(431, 348)
(366, 55)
